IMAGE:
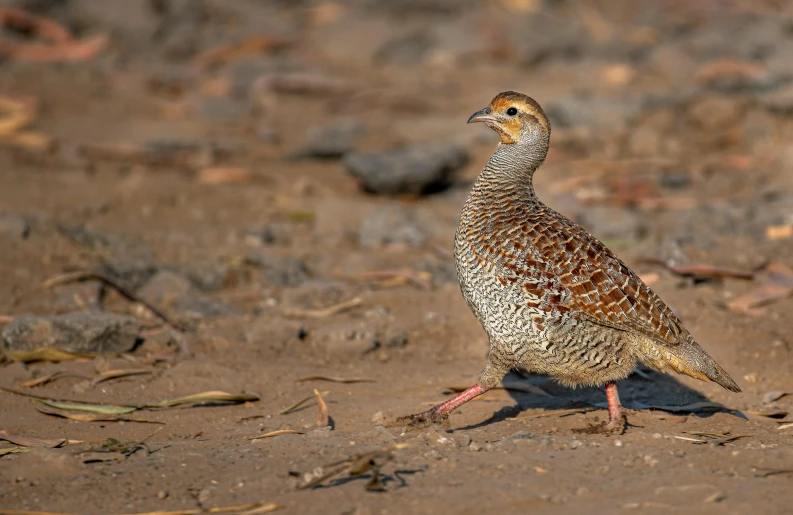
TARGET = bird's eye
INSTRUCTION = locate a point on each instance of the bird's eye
(512, 111)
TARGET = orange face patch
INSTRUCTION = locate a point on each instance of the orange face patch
(524, 104)
(509, 130)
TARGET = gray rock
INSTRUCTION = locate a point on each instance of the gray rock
(675, 179)
(390, 225)
(106, 333)
(521, 435)
(415, 170)
(164, 288)
(195, 305)
(175, 294)
(131, 271)
(207, 276)
(405, 49)
(332, 140)
(14, 226)
(395, 338)
(347, 338)
(541, 39)
(274, 233)
(315, 294)
(129, 260)
(68, 298)
(279, 270)
(779, 102)
(221, 110)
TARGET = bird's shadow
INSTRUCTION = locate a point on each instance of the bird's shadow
(638, 391)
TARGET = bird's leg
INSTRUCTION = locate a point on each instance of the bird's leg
(616, 414)
(440, 413)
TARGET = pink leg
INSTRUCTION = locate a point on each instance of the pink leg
(440, 413)
(616, 417)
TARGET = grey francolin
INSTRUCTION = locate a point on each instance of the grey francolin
(550, 296)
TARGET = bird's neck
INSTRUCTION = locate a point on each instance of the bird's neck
(511, 170)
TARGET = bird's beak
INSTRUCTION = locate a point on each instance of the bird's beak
(483, 115)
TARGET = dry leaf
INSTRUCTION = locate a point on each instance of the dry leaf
(773, 414)
(774, 282)
(55, 43)
(299, 403)
(29, 441)
(225, 53)
(104, 409)
(335, 380)
(12, 450)
(650, 278)
(53, 354)
(730, 68)
(770, 397)
(32, 141)
(16, 113)
(117, 374)
(39, 381)
(206, 397)
(703, 271)
(92, 417)
(224, 175)
(276, 433)
(779, 232)
(323, 419)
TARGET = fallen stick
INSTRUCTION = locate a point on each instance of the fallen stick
(324, 312)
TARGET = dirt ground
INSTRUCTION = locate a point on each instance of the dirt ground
(193, 180)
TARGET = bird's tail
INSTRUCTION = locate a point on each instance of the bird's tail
(686, 358)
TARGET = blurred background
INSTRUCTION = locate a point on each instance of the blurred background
(268, 189)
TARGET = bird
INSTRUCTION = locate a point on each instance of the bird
(552, 298)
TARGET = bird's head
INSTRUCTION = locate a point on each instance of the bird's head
(517, 118)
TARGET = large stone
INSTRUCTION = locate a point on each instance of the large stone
(104, 333)
(332, 140)
(411, 170)
(390, 225)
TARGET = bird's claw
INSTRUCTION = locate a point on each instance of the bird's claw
(424, 419)
(615, 426)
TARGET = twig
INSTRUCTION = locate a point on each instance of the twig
(324, 312)
(335, 380)
(405, 274)
(89, 275)
(278, 432)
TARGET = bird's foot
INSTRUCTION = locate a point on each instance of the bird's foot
(616, 425)
(424, 419)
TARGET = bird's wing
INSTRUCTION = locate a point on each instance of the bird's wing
(573, 273)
